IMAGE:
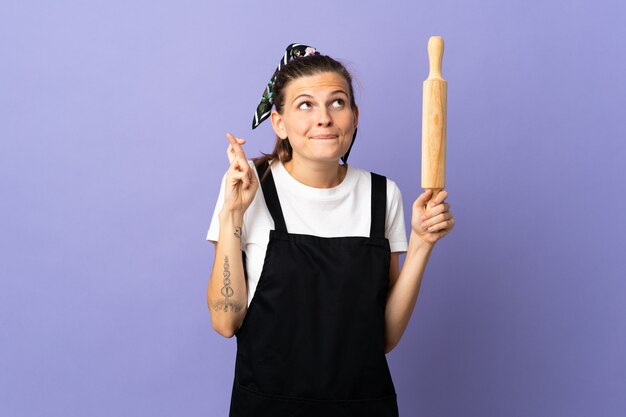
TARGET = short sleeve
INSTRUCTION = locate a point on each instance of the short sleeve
(214, 229)
(394, 224)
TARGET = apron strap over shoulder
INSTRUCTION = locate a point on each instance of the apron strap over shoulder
(379, 206)
(271, 197)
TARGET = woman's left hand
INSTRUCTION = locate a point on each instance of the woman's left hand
(433, 222)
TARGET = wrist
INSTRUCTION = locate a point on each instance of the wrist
(231, 216)
(417, 244)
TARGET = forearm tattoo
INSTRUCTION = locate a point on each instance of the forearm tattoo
(227, 291)
(238, 232)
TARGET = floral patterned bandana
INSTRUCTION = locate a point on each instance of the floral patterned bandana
(293, 51)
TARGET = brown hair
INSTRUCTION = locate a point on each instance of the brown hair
(300, 67)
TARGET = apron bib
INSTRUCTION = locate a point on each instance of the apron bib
(312, 341)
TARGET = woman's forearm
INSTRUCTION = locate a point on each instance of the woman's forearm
(227, 294)
(403, 294)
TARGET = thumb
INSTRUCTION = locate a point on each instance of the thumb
(422, 199)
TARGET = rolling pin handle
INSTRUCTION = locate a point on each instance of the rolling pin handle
(435, 56)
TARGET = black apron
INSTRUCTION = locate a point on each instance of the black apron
(312, 341)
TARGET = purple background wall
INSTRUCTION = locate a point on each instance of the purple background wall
(112, 122)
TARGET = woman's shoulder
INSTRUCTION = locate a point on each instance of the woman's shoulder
(367, 174)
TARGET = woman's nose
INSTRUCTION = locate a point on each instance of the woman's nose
(324, 118)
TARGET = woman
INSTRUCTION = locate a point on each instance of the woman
(306, 271)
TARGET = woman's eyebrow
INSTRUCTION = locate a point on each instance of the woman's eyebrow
(302, 95)
(310, 96)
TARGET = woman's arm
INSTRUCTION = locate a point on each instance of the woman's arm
(427, 227)
(404, 289)
(227, 293)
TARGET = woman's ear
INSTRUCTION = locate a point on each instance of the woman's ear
(356, 116)
(278, 124)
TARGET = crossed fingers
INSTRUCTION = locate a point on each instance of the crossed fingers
(234, 149)
(239, 167)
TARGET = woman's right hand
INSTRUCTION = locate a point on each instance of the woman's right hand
(241, 182)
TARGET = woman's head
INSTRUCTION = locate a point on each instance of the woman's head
(306, 66)
(322, 82)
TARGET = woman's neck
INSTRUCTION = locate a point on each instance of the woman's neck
(316, 174)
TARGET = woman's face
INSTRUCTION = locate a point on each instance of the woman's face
(317, 117)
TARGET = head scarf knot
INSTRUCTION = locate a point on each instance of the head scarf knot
(293, 51)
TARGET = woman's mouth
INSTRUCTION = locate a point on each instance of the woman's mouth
(322, 137)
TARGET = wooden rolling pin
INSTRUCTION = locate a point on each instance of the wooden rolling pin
(434, 107)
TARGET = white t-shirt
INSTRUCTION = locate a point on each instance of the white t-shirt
(344, 210)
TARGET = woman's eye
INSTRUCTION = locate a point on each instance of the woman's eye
(338, 103)
(305, 105)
